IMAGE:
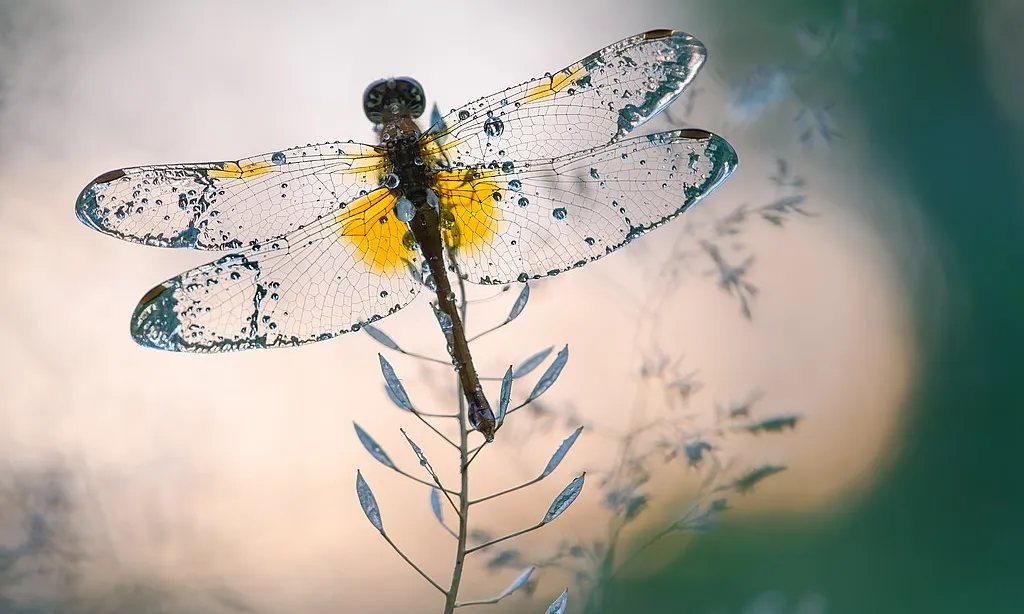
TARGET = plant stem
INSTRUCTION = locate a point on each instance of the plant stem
(404, 473)
(463, 536)
(509, 536)
(501, 493)
(411, 564)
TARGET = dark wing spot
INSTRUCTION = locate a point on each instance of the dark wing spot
(656, 34)
(695, 133)
(109, 176)
(152, 294)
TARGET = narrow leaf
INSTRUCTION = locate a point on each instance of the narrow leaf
(436, 120)
(558, 605)
(380, 337)
(564, 498)
(560, 453)
(435, 506)
(397, 391)
(746, 482)
(552, 373)
(531, 363)
(373, 447)
(772, 425)
(520, 304)
(506, 396)
(394, 399)
(368, 502)
(419, 454)
(517, 583)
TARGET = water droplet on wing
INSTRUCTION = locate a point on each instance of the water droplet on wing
(404, 209)
(493, 127)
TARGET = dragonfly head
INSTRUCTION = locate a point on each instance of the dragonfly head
(390, 99)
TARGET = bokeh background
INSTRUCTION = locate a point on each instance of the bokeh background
(885, 320)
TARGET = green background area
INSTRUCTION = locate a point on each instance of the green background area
(943, 528)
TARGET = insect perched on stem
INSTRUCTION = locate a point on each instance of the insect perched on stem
(537, 179)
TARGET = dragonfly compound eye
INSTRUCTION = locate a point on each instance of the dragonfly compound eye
(393, 98)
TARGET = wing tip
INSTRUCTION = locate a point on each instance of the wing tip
(155, 323)
(87, 207)
(726, 160)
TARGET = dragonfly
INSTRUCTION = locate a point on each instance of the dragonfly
(323, 239)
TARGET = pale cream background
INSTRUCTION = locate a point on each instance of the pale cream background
(239, 469)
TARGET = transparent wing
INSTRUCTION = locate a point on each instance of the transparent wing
(588, 104)
(311, 284)
(228, 205)
(548, 216)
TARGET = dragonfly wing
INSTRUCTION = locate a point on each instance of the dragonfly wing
(316, 282)
(587, 104)
(549, 216)
(228, 205)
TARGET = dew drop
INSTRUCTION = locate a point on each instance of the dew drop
(278, 158)
(433, 201)
(404, 209)
(463, 115)
(446, 220)
(493, 127)
(590, 241)
(523, 201)
(559, 213)
(515, 185)
(594, 174)
(390, 181)
(409, 241)
(383, 293)
(507, 167)
(235, 275)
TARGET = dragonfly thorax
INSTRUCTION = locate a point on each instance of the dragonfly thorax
(407, 165)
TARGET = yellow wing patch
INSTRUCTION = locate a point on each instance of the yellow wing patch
(561, 80)
(369, 224)
(231, 170)
(470, 219)
(470, 210)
